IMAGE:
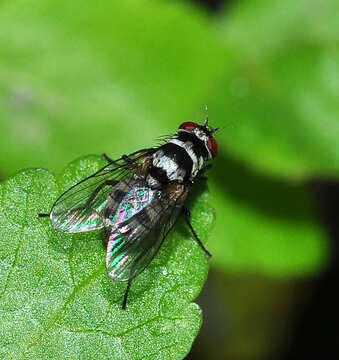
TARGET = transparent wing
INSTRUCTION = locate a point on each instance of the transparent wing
(81, 208)
(138, 228)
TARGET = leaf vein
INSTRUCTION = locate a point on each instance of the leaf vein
(62, 311)
(11, 270)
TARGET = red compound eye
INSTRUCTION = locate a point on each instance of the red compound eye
(212, 146)
(188, 126)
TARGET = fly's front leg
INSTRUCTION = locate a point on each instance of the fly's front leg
(187, 216)
(200, 175)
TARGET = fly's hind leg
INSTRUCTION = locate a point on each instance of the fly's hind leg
(131, 277)
(187, 216)
(40, 215)
(107, 158)
(128, 161)
(124, 303)
(125, 158)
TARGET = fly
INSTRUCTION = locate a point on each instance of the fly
(137, 199)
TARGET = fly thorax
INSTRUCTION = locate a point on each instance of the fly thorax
(168, 163)
(166, 167)
(194, 160)
(152, 182)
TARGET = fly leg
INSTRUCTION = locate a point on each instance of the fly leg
(107, 158)
(128, 161)
(43, 215)
(131, 277)
(200, 175)
(126, 158)
(110, 160)
(124, 303)
(187, 216)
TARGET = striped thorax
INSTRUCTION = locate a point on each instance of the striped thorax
(182, 157)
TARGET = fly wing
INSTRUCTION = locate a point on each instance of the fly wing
(81, 208)
(137, 230)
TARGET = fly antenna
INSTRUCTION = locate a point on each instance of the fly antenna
(206, 118)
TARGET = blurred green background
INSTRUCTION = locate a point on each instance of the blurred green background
(86, 78)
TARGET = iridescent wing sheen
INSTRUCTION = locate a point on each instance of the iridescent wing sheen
(81, 208)
(137, 229)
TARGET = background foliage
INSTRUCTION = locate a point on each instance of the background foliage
(112, 77)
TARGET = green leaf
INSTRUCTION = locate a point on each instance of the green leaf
(77, 79)
(279, 99)
(56, 301)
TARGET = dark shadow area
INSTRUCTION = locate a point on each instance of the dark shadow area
(264, 194)
(214, 323)
(316, 334)
(247, 316)
(198, 188)
(314, 329)
(212, 5)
